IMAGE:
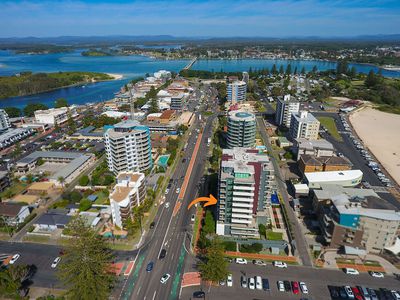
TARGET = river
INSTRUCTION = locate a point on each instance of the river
(130, 67)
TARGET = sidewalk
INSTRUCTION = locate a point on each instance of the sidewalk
(288, 259)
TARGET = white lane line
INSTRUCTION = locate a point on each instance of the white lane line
(138, 291)
(154, 296)
(165, 236)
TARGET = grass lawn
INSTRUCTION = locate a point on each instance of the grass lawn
(274, 236)
(15, 189)
(330, 125)
(40, 239)
(102, 198)
(357, 82)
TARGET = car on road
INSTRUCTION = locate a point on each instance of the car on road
(295, 287)
(280, 264)
(163, 253)
(372, 294)
(55, 262)
(166, 204)
(303, 287)
(281, 286)
(287, 286)
(199, 294)
(178, 190)
(265, 284)
(229, 280)
(252, 284)
(349, 292)
(165, 278)
(241, 261)
(152, 224)
(150, 266)
(259, 262)
(258, 281)
(14, 258)
(243, 281)
(351, 271)
(166, 191)
(377, 274)
(192, 218)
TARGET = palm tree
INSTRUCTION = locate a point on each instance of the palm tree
(61, 180)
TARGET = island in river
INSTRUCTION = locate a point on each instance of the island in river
(28, 83)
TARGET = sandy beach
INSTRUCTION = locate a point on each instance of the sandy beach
(380, 132)
(116, 76)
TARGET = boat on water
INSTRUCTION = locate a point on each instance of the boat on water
(391, 68)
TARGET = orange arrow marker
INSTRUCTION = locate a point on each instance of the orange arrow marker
(210, 201)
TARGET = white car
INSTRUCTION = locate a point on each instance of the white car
(166, 191)
(259, 263)
(281, 286)
(178, 190)
(349, 292)
(351, 271)
(280, 264)
(241, 261)
(377, 274)
(252, 284)
(258, 281)
(165, 278)
(55, 262)
(303, 288)
(14, 259)
(229, 280)
(396, 294)
(166, 204)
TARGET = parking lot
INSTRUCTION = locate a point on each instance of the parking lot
(317, 281)
(349, 150)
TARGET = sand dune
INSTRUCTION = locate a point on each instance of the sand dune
(380, 132)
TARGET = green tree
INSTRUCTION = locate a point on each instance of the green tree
(342, 67)
(13, 112)
(274, 70)
(85, 268)
(61, 180)
(295, 71)
(60, 102)
(372, 79)
(353, 72)
(288, 69)
(281, 70)
(29, 110)
(76, 196)
(209, 223)
(11, 280)
(17, 150)
(85, 204)
(262, 230)
(84, 180)
(215, 267)
(303, 71)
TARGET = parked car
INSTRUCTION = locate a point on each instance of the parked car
(252, 284)
(258, 281)
(280, 264)
(396, 294)
(295, 287)
(178, 190)
(165, 278)
(281, 286)
(241, 261)
(199, 294)
(243, 281)
(334, 291)
(55, 262)
(166, 191)
(303, 287)
(351, 271)
(259, 262)
(152, 224)
(14, 258)
(265, 284)
(377, 274)
(229, 280)
(287, 285)
(349, 292)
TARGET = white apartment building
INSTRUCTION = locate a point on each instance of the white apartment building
(128, 193)
(236, 91)
(304, 125)
(55, 115)
(284, 108)
(4, 120)
(128, 147)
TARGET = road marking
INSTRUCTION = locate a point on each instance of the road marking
(165, 236)
(154, 296)
(138, 291)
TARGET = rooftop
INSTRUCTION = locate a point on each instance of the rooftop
(10, 209)
(314, 144)
(332, 176)
(304, 117)
(242, 116)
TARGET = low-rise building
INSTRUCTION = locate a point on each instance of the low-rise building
(304, 125)
(310, 163)
(41, 188)
(128, 193)
(346, 178)
(348, 218)
(52, 220)
(13, 214)
(316, 148)
(88, 133)
(14, 135)
(4, 120)
(4, 180)
(55, 115)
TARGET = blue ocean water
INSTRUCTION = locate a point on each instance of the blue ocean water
(130, 67)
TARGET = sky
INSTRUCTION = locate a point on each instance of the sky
(222, 18)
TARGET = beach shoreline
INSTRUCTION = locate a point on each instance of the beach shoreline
(115, 76)
(379, 132)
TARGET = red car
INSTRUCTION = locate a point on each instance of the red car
(295, 287)
(357, 293)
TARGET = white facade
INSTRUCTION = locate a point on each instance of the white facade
(4, 120)
(284, 109)
(236, 91)
(128, 147)
(55, 115)
(304, 125)
(129, 192)
(346, 178)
